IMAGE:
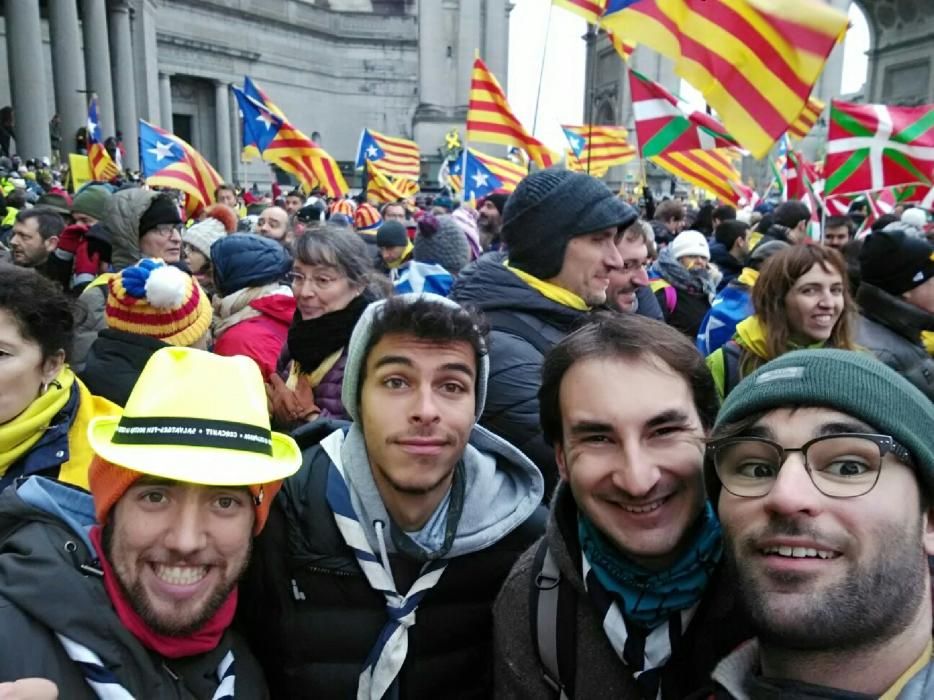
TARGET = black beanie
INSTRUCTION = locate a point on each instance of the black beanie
(548, 209)
(498, 200)
(895, 261)
(391, 235)
(163, 210)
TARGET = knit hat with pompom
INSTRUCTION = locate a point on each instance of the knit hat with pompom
(159, 301)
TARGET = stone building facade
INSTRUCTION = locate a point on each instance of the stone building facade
(334, 67)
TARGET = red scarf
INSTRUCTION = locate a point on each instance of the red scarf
(200, 642)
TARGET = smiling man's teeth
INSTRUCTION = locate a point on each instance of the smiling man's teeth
(644, 509)
(181, 575)
(801, 552)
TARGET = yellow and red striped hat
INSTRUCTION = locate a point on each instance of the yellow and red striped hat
(159, 301)
(366, 217)
(342, 206)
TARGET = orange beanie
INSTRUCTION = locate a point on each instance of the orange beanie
(108, 482)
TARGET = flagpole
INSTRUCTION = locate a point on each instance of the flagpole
(541, 70)
(591, 40)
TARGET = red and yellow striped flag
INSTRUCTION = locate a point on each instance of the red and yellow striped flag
(754, 61)
(807, 119)
(600, 147)
(590, 10)
(623, 48)
(490, 119)
(711, 169)
(379, 188)
(574, 163)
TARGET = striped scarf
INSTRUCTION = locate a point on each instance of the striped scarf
(388, 654)
(106, 686)
(646, 613)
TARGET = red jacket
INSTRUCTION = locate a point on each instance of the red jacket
(260, 337)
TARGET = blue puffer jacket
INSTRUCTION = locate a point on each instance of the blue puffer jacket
(246, 260)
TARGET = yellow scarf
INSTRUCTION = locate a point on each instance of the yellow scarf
(913, 670)
(751, 335)
(314, 378)
(557, 294)
(19, 435)
(748, 276)
(404, 258)
(927, 339)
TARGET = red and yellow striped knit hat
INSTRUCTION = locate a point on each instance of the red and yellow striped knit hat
(159, 301)
(342, 206)
(366, 218)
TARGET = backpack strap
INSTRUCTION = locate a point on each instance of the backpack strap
(671, 299)
(731, 371)
(553, 614)
(506, 321)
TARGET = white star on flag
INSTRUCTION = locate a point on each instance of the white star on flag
(266, 119)
(92, 127)
(577, 143)
(372, 152)
(162, 150)
(480, 179)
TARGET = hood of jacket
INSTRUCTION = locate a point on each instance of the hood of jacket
(490, 286)
(44, 541)
(896, 314)
(247, 260)
(280, 307)
(126, 207)
(721, 257)
(503, 488)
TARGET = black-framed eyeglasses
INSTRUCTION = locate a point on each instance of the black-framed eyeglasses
(845, 465)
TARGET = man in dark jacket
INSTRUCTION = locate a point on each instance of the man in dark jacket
(729, 249)
(896, 302)
(626, 586)
(377, 574)
(129, 592)
(561, 229)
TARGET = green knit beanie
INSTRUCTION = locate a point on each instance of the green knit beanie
(855, 383)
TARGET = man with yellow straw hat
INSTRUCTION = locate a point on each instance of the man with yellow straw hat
(129, 591)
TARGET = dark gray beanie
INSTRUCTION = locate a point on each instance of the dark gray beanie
(548, 209)
(391, 235)
(440, 240)
(849, 381)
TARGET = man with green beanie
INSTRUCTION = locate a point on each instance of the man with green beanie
(822, 466)
(561, 229)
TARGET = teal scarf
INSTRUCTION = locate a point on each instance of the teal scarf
(650, 598)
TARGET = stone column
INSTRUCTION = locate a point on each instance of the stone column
(67, 71)
(233, 112)
(165, 101)
(97, 61)
(143, 28)
(496, 39)
(468, 43)
(222, 128)
(121, 48)
(435, 63)
(27, 77)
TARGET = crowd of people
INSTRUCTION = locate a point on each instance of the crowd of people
(557, 445)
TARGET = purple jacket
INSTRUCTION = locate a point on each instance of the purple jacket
(327, 393)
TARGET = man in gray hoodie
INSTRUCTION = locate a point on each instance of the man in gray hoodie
(383, 555)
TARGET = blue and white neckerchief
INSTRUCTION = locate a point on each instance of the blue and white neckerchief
(106, 686)
(387, 656)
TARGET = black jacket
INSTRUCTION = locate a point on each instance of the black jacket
(515, 362)
(688, 312)
(312, 618)
(891, 328)
(725, 262)
(44, 591)
(115, 362)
